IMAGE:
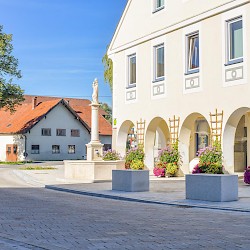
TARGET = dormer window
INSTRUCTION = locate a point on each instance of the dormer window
(158, 5)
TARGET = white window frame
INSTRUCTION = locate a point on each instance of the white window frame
(35, 151)
(55, 149)
(75, 133)
(156, 47)
(60, 132)
(190, 70)
(228, 41)
(46, 131)
(129, 57)
(158, 8)
(70, 147)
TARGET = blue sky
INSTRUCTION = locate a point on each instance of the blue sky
(60, 43)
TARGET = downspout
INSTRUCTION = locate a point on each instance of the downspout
(25, 146)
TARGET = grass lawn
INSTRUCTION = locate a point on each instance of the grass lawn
(37, 168)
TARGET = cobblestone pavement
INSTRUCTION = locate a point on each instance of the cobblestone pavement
(36, 218)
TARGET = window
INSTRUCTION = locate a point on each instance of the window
(15, 149)
(159, 62)
(46, 131)
(75, 132)
(235, 40)
(35, 149)
(55, 149)
(158, 5)
(193, 60)
(71, 149)
(61, 132)
(132, 69)
(8, 150)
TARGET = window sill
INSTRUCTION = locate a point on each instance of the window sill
(159, 9)
(192, 72)
(158, 80)
(234, 62)
(131, 86)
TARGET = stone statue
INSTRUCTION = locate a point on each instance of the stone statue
(95, 92)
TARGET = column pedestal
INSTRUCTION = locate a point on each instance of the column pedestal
(94, 151)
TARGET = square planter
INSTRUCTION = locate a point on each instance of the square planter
(130, 180)
(212, 187)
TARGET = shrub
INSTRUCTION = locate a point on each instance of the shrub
(171, 168)
(111, 155)
(132, 155)
(137, 165)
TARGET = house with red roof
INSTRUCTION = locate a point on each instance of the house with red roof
(49, 128)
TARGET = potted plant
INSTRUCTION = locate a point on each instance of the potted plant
(111, 155)
(159, 169)
(134, 154)
(171, 169)
(210, 160)
(169, 159)
(134, 178)
(207, 181)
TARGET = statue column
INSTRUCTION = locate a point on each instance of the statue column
(94, 123)
(94, 147)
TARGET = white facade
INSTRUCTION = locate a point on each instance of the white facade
(53, 146)
(11, 139)
(58, 118)
(191, 94)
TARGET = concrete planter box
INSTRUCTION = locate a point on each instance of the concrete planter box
(130, 180)
(91, 171)
(212, 187)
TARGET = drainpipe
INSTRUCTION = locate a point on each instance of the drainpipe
(25, 147)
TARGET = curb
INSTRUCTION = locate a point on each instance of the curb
(28, 179)
(115, 197)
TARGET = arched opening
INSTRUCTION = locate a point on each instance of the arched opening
(236, 142)
(157, 137)
(194, 135)
(125, 137)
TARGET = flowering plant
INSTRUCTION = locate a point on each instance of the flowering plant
(134, 154)
(210, 160)
(159, 169)
(247, 175)
(171, 169)
(137, 165)
(111, 155)
(169, 159)
(170, 155)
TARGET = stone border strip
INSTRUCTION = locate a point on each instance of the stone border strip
(122, 198)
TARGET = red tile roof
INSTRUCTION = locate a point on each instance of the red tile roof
(25, 117)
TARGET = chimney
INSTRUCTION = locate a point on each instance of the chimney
(34, 102)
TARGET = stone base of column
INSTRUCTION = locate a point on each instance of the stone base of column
(94, 151)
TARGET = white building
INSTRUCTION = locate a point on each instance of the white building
(185, 58)
(45, 128)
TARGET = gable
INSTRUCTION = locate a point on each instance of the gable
(60, 117)
(139, 24)
(26, 117)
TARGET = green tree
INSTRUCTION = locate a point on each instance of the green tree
(108, 70)
(11, 94)
(108, 110)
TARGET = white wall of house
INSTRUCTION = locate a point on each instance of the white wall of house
(217, 85)
(11, 139)
(58, 118)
